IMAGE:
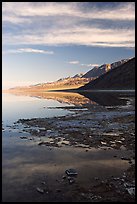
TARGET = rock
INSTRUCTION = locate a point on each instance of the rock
(71, 180)
(131, 191)
(42, 128)
(48, 131)
(23, 137)
(43, 182)
(71, 172)
(123, 158)
(118, 141)
(63, 177)
(40, 190)
(69, 177)
(83, 194)
(65, 142)
(103, 143)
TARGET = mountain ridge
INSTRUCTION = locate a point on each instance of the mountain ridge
(98, 71)
(75, 82)
(121, 77)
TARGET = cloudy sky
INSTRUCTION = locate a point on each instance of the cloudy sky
(45, 41)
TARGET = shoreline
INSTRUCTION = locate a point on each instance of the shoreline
(106, 130)
(69, 90)
(94, 91)
(97, 141)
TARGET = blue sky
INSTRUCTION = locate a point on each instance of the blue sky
(45, 41)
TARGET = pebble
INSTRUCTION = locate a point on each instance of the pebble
(43, 182)
(123, 158)
(71, 181)
(131, 191)
(49, 130)
(40, 190)
(63, 177)
(103, 143)
(23, 137)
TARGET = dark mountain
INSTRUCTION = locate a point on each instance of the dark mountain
(98, 71)
(118, 63)
(121, 77)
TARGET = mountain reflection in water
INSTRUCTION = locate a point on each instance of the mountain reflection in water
(83, 98)
(108, 98)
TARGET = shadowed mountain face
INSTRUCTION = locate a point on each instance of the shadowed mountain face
(95, 72)
(121, 77)
(98, 71)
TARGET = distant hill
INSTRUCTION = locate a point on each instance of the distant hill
(121, 77)
(64, 83)
(98, 71)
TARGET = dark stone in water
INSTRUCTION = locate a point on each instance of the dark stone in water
(23, 137)
(71, 172)
(40, 190)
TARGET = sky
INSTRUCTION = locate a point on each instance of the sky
(45, 41)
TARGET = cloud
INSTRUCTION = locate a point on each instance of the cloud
(77, 36)
(28, 50)
(69, 23)
(20, 10)
(73, 62)
(90, 65)
(85, 65)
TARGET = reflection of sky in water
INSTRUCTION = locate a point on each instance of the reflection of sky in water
(25, 164)
(27, 168)
(16, 107)
(53, 163)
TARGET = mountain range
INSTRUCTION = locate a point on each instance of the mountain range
(98, 71)
(118, 75)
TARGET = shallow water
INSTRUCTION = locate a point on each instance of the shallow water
(25, 164)
(15, 107)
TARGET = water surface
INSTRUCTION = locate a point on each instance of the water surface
(25, 164)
